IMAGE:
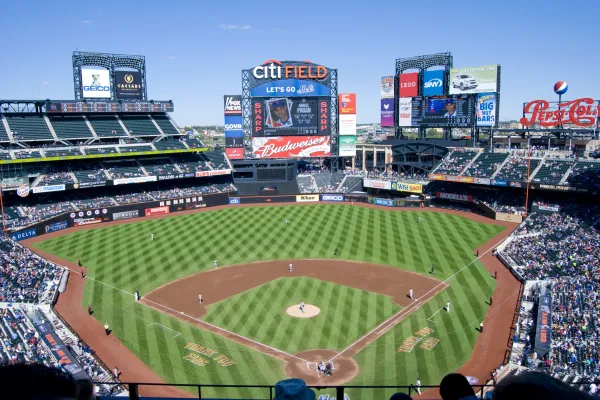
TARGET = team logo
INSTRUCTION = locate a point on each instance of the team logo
(23, 191)
(387, 85)
(433, 83)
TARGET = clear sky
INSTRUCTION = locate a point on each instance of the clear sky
(195, 50)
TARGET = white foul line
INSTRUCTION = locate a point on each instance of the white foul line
(166, 327)
(441, 308)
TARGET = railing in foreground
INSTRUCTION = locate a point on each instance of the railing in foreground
(333, 392)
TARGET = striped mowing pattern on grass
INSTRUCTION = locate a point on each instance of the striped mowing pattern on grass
(260, 314)
(124, 256)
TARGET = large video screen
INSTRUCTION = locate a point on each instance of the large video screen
(441, 111)
(284, 116)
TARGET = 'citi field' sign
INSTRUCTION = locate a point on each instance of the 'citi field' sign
(273, 69)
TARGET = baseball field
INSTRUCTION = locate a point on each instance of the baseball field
(367, 325)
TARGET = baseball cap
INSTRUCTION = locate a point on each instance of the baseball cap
(449, 101)
(293, 389)
(278, 103)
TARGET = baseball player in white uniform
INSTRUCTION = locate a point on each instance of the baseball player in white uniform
(410, 294)
(418, 386)
(290, 267)
(287, 222)
(448, 306)
(419, 219)
(215, 264)
(152, 236)
(200, 298)
(302, 306)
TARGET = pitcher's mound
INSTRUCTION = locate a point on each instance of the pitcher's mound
(309, 311)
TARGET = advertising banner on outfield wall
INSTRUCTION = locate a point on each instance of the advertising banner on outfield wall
(387, 87)
(55, 227)
(454, 196)
(157, 211)
(405, 111)
(408, 84)
(407, 187)
(332, 197)
(86, 221)
(377, 184)
(291, 146)
(234, 200)
(381, 202)
(347, 103)
(307, 197)
(347, 146)
(120, 216)
(347, 124)
(22, 235)
(387, 112)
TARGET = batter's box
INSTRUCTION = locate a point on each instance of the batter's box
(408, 344)
(429, 343)
(424, 332)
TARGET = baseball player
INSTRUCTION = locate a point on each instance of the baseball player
(410, 294)
(215, 264)
(448, 306)
(335, 252)
(152, 236)
(302, 306)
(432, 272)
(419, 219)
(418, 386)
(291, 267)
(200, 298)
(481, 327)
(106, 329)
(287, 222)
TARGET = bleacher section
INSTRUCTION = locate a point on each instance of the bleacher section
(586, 174)
(100, 150)
(70, 127)
(216, 159)
(195, 144)
(106, 126)
(552, 171)
(124, 169)
(27, 154)
(55, 176)
(515, 168)
(352, 183)
(139, 125)
(3, 135)
(28, 127)
(88, 172)
(485, 165)
(455, 162)
(165, 124)
(5, 155)
(62, 152)
(160, 166)
(130, 149)
(169, 145)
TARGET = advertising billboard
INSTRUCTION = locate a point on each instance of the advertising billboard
(407, 187)
(22, 235)
(485, 110)
(347, 124)
(48, 189)
(290, 147)
(233, 140)
(347, 103)
(232, 105)
(377, 184)
(95, 83)
(233, 123)
(405, 111)
(282, 116)
(433, 83)
(387, 112)
(275, 77)
(474, 79)
(235, 153)
(157, 211)
(387, 87)
(307, 197)
(119, 216)
(332, 197)
(438, 111)
(55, 227)
(578, 113)
(408, 84)
(128, 84)
(347, 146)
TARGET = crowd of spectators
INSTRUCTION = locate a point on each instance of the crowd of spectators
(455, 162)
(19, 341)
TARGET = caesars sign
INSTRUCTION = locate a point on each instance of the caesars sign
(128, 84)
(580, 112)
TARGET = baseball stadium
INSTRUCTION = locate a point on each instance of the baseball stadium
(150, 263)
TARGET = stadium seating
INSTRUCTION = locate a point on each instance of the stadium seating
(4, 155)
(159, 166)
(585, 173)
(169, 144)
(29, 127)
(351, 183)
(70, 127)
(100, 150)
(72, 151)
(96, 202)
(106, 126)
(306, 184)
(131, 149)
(515, 168)
(195, 144)
(552, 171)
(55, 175)
(215, 159)
(485, 165)
(165, 124)
(139, 125)
(455, 162)
(124, 169)
(27, 154)
(88, 172)
(3, 135)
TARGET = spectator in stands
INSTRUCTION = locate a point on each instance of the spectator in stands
(535, 386)
(456, 387)
(37, 381)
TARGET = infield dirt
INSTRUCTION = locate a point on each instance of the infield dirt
(487, 354)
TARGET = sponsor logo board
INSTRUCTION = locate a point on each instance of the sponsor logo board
(347, 103)
(387, 112)
(157, 211)
(235, 153)
(307, 197)
(454, 196)
(234, 200)
(274, 69)
(216, 172)
(233, 123)
(498, 182)
(580, 112)
(387, 87)
(347, 146)
(482, 181)
(55, 227)
(22, 235)
(332, 197)
(347, 124)
(48, 189)
(291, 146)
(407, 187)
(433, 83)
(128, 84)
(474, 79)
(138, 179)
(377, 184)
(405, 111)
(486, 109)
(86, 221)
(384, 202)
(125, 215)
(408, 84)
(23, 191)
(232, 105)
(170, 176)
(95, 83)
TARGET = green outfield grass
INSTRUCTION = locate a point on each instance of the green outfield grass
(124, 257)
(260, 314)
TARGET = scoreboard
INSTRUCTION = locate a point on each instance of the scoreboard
(442, 111)
(109, 107)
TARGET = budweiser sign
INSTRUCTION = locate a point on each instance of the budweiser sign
(581, 112)
(291, 146)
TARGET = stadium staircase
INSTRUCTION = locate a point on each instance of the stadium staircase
(535, 171)
(566, 175)
(123, 127)
(466, 168)
(50, 127)
(5, 130)
(158, 128)
(91, 128)
(500, 167)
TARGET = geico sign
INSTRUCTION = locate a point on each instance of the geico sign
(233, 127)
(96, 88)
(327, 197)
(272, 69)
(433, 83)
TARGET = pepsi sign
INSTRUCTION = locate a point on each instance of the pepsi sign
(433, 83)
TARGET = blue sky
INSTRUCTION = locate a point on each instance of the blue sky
(195, 50)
